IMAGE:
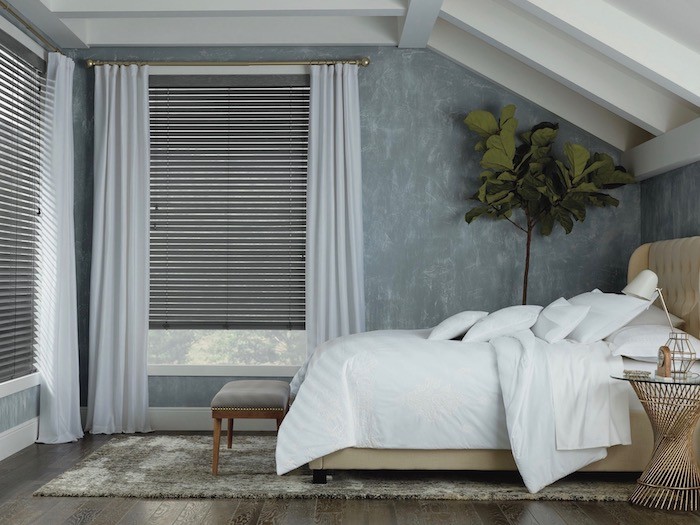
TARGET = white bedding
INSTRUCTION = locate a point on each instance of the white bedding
(397, 390)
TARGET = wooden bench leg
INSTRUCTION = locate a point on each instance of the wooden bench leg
(217, 439)
(229, 433)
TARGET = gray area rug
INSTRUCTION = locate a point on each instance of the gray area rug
(173, 466)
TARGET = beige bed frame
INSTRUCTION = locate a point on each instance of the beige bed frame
(677, 263)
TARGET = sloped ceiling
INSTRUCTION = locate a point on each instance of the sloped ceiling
(627, 71)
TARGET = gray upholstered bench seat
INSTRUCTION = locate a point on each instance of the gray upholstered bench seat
(262, 399)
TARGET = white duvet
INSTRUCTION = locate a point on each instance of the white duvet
(553, 405)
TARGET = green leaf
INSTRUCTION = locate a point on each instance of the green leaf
(507, 135)
(507, 113)
(546, 224)
(578, 157)
(563, 218)
(482, 122)
(496, 159)
(576, 207)
(475, 213)
(543, 136)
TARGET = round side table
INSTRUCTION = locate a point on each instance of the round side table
(671, 480)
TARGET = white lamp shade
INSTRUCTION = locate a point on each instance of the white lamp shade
(643, 286)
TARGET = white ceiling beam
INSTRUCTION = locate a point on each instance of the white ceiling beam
(43, 19)
(416, 26)
(211, 8)
(626, 40)
(675, 149)
(486, 60)
(238, 31)
(578, 67)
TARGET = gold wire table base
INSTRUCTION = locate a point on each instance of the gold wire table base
(671, 480)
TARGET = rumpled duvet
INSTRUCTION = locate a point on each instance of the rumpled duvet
(554, 405)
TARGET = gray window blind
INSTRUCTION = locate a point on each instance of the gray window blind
(228, 204)
(20, 146)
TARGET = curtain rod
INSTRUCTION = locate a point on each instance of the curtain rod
(364, 62)
(29, 26)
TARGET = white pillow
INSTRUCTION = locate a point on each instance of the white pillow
(655, 315)
(642, 342)
(609, 312)
(503, 322)
(456, 326)
(558, 320)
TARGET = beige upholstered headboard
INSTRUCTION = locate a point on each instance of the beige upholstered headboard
(677, 263)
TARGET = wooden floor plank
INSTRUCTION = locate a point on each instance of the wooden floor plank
(300, 512)
(490, 513)
(247, 512)
(87, 511)
(517, 512)
(571, 513)
(193, 513)
(167, 512)
(221, 510)
(114, 511)
(140, 512)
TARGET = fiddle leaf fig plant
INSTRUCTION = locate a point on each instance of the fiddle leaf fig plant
(526, 183)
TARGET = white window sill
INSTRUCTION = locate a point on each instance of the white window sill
(17, 385)
(222, 370)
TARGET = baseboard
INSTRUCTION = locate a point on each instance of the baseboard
(19, 437)
(199, 418)
(194, 418)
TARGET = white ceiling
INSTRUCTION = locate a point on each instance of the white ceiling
(624, 70)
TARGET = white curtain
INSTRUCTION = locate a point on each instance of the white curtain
(335, 302)
(118, 378)
(56, 302)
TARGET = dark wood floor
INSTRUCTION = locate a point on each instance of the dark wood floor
(23, 473)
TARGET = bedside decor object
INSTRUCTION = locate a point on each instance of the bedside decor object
(663, 369)
(678, 347)
(636, 374)
(529, 177)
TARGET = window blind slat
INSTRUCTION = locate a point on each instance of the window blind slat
(228, 206)
(21, 95)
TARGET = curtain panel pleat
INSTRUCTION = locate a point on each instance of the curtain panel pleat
(118, 377)
(335, 303)
(56, 299)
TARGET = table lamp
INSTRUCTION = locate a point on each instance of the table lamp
(682, 355)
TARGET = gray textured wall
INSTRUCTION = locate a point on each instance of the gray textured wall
(19, 407)
(422, 261)
(670, 204)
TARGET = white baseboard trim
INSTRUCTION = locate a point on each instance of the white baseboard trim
(19, 437)
(195, 418)
(199, 418)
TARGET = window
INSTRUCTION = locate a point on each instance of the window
(228, 220)
(20, 112)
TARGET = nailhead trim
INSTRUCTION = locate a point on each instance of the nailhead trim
(246, 408)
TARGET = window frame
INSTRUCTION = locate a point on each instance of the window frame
(159, 75)
(26, 51)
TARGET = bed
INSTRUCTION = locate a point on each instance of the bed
(677, 263)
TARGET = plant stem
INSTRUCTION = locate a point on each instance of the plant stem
(530, 227)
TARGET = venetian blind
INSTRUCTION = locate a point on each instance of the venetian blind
(21, 86)
(228, 203)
